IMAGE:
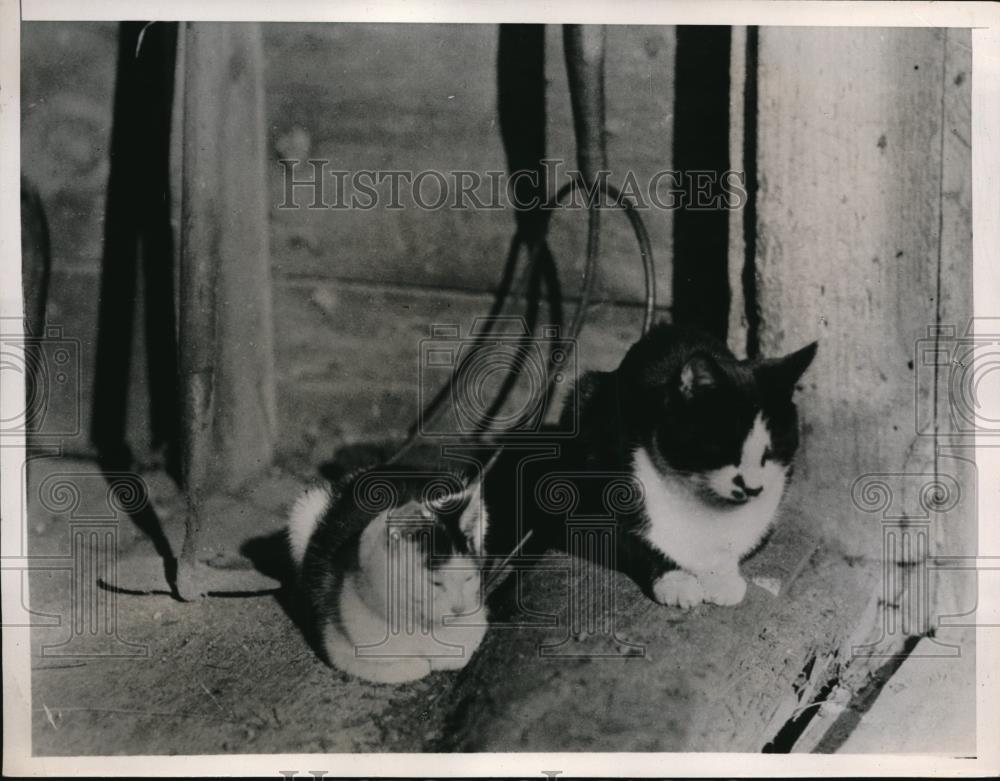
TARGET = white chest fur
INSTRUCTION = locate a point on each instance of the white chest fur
(701, 536)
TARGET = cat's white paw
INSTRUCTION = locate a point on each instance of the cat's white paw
(724, 589)
(397, 671)
(385, 670)
(678, 588)
(342, 654)
(449, 662)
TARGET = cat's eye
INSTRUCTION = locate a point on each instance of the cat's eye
(768, 455)
(439, 583)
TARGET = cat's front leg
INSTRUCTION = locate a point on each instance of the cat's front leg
(449, 662)
(723, 585)
(679, 589)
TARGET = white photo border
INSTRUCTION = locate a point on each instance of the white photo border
(983, 18)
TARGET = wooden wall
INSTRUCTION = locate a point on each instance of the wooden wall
(860, 238)
(398, 97)
(423, 97)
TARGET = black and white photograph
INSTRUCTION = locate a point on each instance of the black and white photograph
(610, 390)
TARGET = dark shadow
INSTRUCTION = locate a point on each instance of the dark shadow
(357, 456)
(701, 149)
(138, 239)
(36, 262)
(148, 522)
(270, 556)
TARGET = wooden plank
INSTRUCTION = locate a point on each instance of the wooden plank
(381, 113)
(928, 706)
(847, 248)
(739, 77)
(246, 420)
(954, 592)
(870, 253)
(67, 88)
(371, 387)
(225, 227)
(337, 90)
(197, 334)
(714, 679)
(228, 418)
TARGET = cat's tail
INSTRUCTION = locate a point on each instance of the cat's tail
(305, 515)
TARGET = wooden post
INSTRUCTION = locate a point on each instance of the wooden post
(847, 249)
(955, 592)
(742, 157)
(226, 353)
(863, 242)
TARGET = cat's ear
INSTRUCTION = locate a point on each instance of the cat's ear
(699, 373)
(783, 373)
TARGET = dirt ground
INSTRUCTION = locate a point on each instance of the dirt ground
(219, 675)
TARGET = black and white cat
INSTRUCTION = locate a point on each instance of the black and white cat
(710, 439)
(388, 564)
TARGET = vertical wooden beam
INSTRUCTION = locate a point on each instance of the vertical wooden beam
(848, 191)
(226, 354)
(864, 243)
(740, 80)
(246, 413)
(225, 225)
(201, 228)
(954, 592)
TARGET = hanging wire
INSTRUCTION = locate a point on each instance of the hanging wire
(541, 266)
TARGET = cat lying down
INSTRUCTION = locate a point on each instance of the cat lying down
(387, 563)
(710, 441)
